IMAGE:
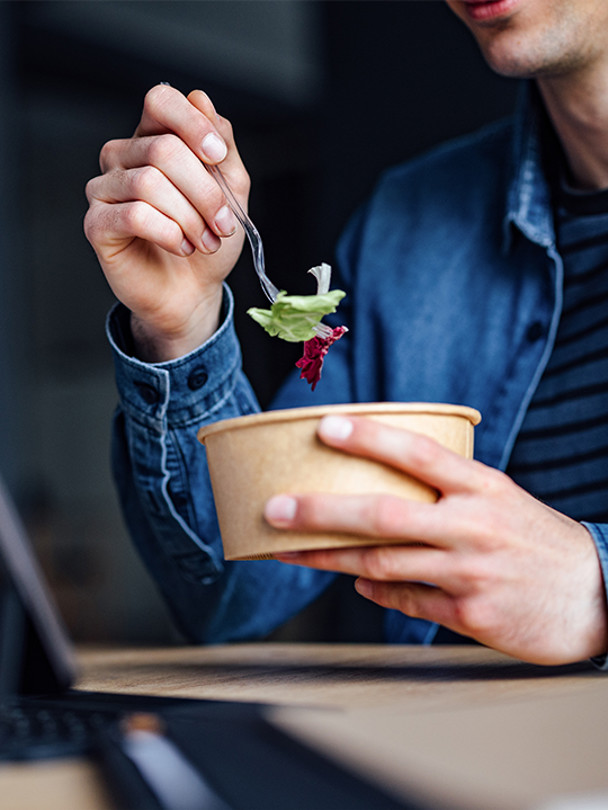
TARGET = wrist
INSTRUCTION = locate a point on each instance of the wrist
(156, 344)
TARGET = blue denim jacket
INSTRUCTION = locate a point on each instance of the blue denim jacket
(453, 287)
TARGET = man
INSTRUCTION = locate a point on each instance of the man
(475, 275)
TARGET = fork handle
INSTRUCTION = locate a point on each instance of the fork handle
(234, 203)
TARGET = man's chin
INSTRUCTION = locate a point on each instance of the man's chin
(508, 54)
(521, 63)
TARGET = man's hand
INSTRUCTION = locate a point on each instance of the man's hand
(159, 222)
(486, 560)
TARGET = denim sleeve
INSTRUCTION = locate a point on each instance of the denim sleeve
(163, 483)
(599, 532)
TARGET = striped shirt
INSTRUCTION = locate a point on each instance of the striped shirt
(561, 454)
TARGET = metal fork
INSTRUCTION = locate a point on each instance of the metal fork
(257, 249)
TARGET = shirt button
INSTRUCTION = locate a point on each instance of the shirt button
(535, 331)
(197, 378)
(148, 393)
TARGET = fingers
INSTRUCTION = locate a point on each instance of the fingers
(388, 563)
(153, 172)
(112, 225)
(136, 167)
(477, 505)
(167, 110)
(194, 120)
(417, 600)
(162, 168)
(374, 516)
(413, 453)
(202, 102)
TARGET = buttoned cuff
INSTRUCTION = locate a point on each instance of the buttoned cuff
(599, 532)
(177, 392)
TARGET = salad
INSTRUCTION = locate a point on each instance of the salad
(297, 318)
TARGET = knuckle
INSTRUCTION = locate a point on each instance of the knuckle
(141, 220)
(424, 452)
(475, 616)
(244, 182)
(380, 563)
(90, 225)
(386, 516)
(90, 189)
(145, 181)
(226, 123)
(495, 482)
(136, 217)
(107, 154)
(472, 569)
(164, 148)
(408, 603)
(225, 127)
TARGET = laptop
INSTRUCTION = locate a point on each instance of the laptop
(209, 754)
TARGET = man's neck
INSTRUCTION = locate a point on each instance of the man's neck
(578, 108)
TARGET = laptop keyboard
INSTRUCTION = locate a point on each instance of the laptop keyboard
(32, 730)
(70, 724)
(211, 737)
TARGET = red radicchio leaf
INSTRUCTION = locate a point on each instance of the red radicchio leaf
(315, 350)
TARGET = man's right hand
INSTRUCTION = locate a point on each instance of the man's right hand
(160, 225)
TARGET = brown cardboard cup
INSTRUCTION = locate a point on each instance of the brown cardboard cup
(254, 457)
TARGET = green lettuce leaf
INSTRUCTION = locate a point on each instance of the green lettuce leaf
(293, 317)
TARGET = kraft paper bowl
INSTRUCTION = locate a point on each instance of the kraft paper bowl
(254, 457)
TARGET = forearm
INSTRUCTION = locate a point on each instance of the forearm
(162, 478)
(212, 601)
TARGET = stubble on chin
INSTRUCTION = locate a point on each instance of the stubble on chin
(559, 44)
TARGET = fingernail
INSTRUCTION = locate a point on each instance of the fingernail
(210, 241)
(225, 221)
(187, 248)
(214, 147)
(338, 428)
(280, 510)
(364, 587)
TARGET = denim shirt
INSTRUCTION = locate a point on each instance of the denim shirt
(454, 293)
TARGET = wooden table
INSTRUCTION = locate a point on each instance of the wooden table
(461, 726)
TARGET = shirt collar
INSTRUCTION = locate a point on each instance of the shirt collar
(528, 203)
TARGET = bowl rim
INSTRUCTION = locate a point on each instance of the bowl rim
(347, 408)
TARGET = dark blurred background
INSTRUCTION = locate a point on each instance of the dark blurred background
(322, 95)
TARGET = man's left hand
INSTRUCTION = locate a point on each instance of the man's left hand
(487, 560)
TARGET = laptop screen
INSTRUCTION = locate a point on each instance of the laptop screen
(35, 652)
